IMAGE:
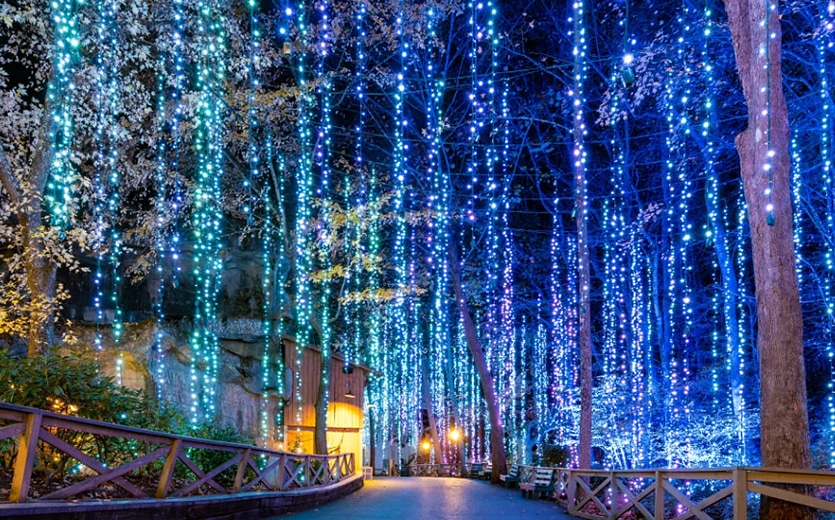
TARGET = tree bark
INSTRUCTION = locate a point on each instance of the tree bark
(320, 430)
(430, 416)
(320, 433)
(41, 269)
(784, 421)
(578, 158)
(498, 457)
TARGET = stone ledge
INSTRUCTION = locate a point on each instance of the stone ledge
(233, 507)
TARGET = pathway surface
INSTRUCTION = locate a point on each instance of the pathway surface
(426, 498)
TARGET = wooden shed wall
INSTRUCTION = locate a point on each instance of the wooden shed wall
(345, 415)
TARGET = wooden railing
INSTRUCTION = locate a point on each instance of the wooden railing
(244, 468)
(680, 494)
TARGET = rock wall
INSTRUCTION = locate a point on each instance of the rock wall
(167, 371)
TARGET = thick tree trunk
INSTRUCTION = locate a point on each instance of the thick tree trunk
(586, 375)
(784, 420)
(578, 155)
(41, 269)
(498, 457)
(41, 279)
(320, 433)
(430, 416)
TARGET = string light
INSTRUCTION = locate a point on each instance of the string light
(208, 217)
(60, 98)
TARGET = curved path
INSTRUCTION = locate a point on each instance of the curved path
(426, 498)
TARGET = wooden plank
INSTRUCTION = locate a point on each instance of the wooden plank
(110, 476)
(78, 424)
(239, 475)
(90, 462)
(592, 495)
(659, 496)
(210, 475)
(633, 501)
(261, 477)
(778, 477)
(197, 472)
(168, 469)
(740, 494)
(707, 502)
(14, 413)
(791, 496)
(683, 500)
(12, 430)
(25, 459)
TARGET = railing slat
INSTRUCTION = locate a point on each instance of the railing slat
(26, 455)
(12, 430)
(210, 475)
(90, 462)
(659, 496)
(168, 469)
(791, 496)
(683, 500)
(198, 472)
(110, 476)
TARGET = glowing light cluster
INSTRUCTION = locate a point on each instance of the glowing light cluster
(208, 214)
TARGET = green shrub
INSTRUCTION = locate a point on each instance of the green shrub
(75, 386)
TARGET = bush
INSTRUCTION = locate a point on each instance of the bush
(73, 385)
(555, 456)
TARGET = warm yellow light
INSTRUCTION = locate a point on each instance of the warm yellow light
(454, 435)
(426, 445)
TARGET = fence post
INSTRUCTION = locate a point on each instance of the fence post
(281, 471)
(740, 493)
(168, 469)
(570, 491)
(239, 476)
(659, 496)
(25, 460)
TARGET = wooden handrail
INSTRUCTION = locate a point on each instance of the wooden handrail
(662, 493)
(291, 470)
(657, 494)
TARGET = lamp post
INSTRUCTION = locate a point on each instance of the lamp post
(455, 436)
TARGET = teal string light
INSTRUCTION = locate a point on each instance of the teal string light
(207, 214)
(304, 194)
(61, 93)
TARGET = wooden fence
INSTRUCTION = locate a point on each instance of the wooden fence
(681, 494)
(244, 468)
(673, 494)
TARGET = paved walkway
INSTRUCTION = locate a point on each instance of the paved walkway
(425, 498)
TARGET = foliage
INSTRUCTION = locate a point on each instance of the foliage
(554, 455)
(73, 385)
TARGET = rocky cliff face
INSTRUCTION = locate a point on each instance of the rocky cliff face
(166, 370)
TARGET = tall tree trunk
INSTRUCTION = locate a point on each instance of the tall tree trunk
(430, 416)
(498, 457)
(585, 327)
(578, 156)
(320, 432)
(784, 420)
(25, 195)
(41, 278)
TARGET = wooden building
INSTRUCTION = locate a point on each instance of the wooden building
(345, 405)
